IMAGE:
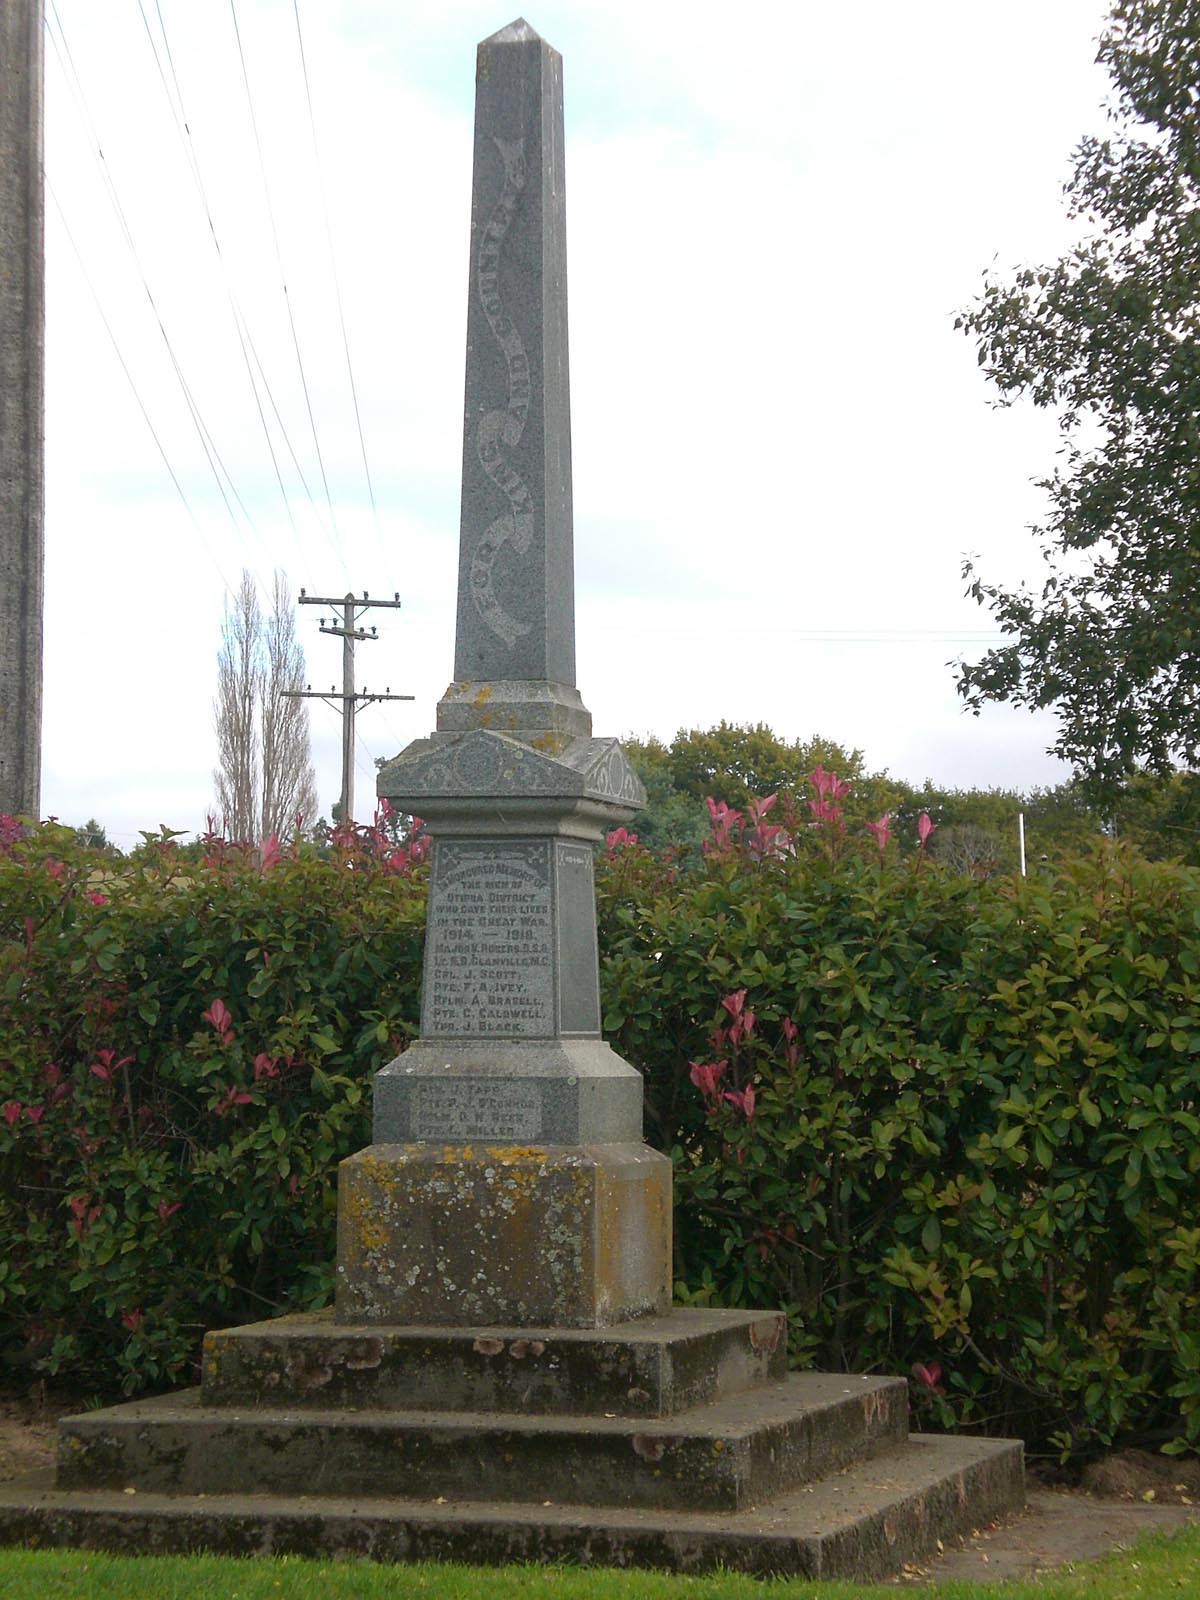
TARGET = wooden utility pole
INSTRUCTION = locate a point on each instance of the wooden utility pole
(22, 344)
(350, 699)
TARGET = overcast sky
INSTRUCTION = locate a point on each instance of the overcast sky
(783, 451)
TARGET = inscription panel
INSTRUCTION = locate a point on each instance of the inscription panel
(489, 969)
(500, 1112)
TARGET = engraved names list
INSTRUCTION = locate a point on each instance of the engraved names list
(488, 959)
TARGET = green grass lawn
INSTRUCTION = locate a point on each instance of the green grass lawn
(1159, 1566)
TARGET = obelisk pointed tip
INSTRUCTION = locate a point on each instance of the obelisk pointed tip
(518, 32)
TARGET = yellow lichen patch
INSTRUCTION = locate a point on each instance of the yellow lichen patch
(482, 695)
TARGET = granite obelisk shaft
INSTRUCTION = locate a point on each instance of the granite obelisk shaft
(22, 338)
(516, 597)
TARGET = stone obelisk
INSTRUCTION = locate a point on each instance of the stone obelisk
(507, 1182)
(22, 323)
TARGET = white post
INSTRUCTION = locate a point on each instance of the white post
(1021, 839)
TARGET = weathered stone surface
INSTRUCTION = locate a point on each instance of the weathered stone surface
(515, 793)
(532, 1091)
(529, 1236)
(861, 1524)
(516, 576)
(548, 714)
(654, 1367)
(488, 765)
(725, 1455)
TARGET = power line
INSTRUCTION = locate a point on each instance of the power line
(183, 128)
(312, 123)
(187, 505)
(207, 442)
(194, 162)
(262, 166)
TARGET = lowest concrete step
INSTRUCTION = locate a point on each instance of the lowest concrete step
(725, 1455)
(864, 1522)
(653, 1367)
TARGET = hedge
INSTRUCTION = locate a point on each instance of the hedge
(950, 1125)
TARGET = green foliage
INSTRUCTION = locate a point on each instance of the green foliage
(963, 1138)
(163, 1169)
(1107, 338)
(737, 764)
(971, 1145)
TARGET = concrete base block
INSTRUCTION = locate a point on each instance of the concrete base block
(654, 1367)
(521, 1236)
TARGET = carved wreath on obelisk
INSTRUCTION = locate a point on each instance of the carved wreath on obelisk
(502, 427)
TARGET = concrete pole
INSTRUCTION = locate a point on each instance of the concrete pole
(22, 341)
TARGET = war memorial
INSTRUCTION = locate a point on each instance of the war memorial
(502, 1376)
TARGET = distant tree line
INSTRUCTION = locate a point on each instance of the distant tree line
(976, 828)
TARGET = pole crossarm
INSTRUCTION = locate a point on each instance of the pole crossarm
(352, 607)
(332, 695)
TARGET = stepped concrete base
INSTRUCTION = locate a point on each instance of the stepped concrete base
(725, 1455)
(653, 1367)
(676, 1441)
(862, 1523)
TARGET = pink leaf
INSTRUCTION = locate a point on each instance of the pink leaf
(743, 1099)
(882, 831)
(707, 1078)
(12, 1110)
(734, 1002)
(759, 808)
(218, 1015)
(924, 828)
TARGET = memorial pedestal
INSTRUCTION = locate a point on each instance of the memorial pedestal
(564, 1237)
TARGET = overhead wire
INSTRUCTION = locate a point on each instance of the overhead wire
(312, 123)
(220, 471)
(183, 128)
(222, 476)
(154, 434)
(262, 165)
(194, 161)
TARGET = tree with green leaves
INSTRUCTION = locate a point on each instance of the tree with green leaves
(1108, 338)
(739, 763)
